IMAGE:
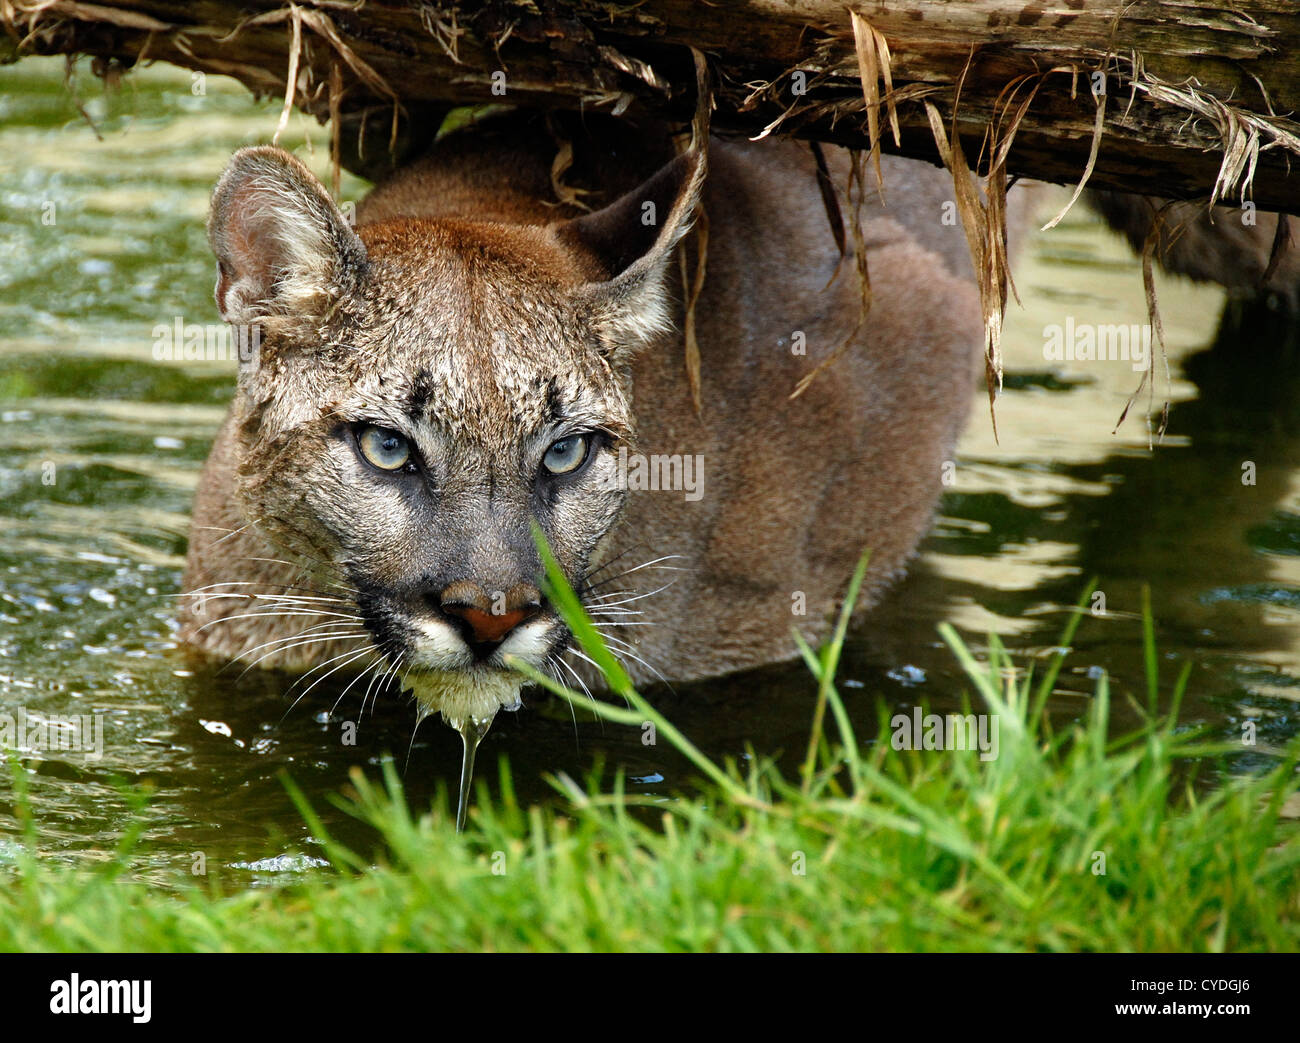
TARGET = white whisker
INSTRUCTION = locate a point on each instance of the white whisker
(343, 630)
(354, 655)
(319, 639)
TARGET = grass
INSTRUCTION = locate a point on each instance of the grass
(869, 848)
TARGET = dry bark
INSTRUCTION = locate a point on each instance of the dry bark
(1199, 97)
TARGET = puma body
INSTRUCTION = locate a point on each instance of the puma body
(481, 336)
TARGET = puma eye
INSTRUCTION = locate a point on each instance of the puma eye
(383, 448)
(566, 455)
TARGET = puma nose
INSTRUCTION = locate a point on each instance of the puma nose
(485, 621)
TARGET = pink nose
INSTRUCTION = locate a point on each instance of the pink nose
(484, 626)
(484, 620)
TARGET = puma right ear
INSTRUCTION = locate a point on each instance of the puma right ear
(283, 248)
(633, 240)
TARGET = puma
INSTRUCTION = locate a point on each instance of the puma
(475, 357)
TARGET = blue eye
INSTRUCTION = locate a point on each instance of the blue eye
(383, 448)
(566, 455)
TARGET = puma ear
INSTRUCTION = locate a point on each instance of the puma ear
(283, 248)
(633, 240)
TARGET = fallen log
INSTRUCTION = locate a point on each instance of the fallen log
(1171, 97)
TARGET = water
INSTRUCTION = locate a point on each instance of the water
(471, 730)
(101, 445)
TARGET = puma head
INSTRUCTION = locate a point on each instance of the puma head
(424, 391)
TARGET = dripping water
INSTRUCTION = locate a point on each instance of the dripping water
(471, 729)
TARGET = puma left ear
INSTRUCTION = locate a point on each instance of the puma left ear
(284, 251)
(633, 240)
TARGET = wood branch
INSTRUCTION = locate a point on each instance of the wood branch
(1199, 98)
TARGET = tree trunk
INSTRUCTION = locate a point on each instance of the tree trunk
(1197, 97)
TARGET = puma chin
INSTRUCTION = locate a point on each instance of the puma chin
(451, 669)
(462, 678)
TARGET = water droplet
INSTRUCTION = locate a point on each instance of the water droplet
(909, 676)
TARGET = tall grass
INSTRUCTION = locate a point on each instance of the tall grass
(1070, 839)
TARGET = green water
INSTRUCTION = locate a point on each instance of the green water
(100, 448)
